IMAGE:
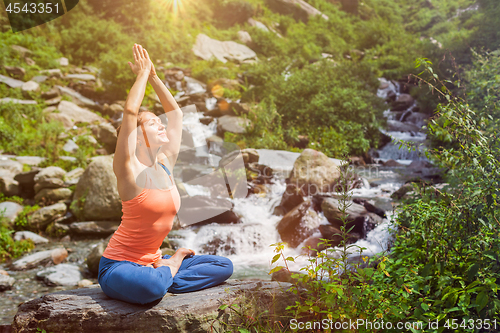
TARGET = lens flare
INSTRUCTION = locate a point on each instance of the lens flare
(175, 6)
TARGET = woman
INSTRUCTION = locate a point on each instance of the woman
(132, 268)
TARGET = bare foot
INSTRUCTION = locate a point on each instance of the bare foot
(175, 261)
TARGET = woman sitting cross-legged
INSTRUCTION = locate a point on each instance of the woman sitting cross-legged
(132, 268)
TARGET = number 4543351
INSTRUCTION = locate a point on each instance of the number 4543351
(471, 324)
(32, 8)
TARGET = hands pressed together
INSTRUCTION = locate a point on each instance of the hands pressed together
(142, 62)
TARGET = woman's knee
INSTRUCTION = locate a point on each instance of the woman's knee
(226, 268)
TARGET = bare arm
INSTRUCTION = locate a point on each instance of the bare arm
(174, 115)
(127, 140)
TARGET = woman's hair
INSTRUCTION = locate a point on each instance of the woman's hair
(139, 120)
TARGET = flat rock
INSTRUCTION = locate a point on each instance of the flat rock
(77, 97)
(63, 61)
(32, 260)
(60, 275)
(13, 83)
(10, 210)
(37, 239)
(206, 48)
(17, 101)
(51, 195)
(84, 77)
(257, 24)
(94, 228)
(70, 146)
(90, 310)
(51, 72)
(30, 160)
(48, 183)
(30, 86)
(40, 78)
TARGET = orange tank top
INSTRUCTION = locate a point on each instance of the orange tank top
(147, 219)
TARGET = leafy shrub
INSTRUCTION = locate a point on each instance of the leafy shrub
(10, 249)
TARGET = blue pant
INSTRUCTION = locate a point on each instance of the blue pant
(134, 283)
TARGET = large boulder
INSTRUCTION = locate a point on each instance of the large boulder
(314, 172)
(299, 9)
(354, 214)
(90, 310)
(96, 195)
(294, 227)
(206, 48)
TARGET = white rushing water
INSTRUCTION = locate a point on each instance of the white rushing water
(248, 244)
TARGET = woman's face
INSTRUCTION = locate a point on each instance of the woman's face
(154, 129)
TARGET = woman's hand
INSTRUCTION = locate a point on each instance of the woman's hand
(152, 74)
(142, 63)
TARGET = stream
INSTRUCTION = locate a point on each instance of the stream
(248, 244)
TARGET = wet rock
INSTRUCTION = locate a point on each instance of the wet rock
(419, 165)
(6, 282)
(12, 83)
(15, 71)
(314, 172)
(299, 9)
(392, 163)
(10, 210)
(90, 310)
(60, 275)
(402, 191)
(294, 227)
(370, 207)
(94, 228)
(354, 214)
(42, 217)
(402, 102)
(206, 48)
(37, 239)
(232, 124)
(292, 197)
(201, 210)
(397, 126)
(51, 195)
(32, 260)
(96, 195)
(49, 172)
(58, 255)
(84, 283)
(312, 246)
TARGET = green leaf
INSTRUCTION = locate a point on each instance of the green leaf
(481, 300)
(276, 269)
(472, 271)
(424, 306)
(223, 307)
(275, 258)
